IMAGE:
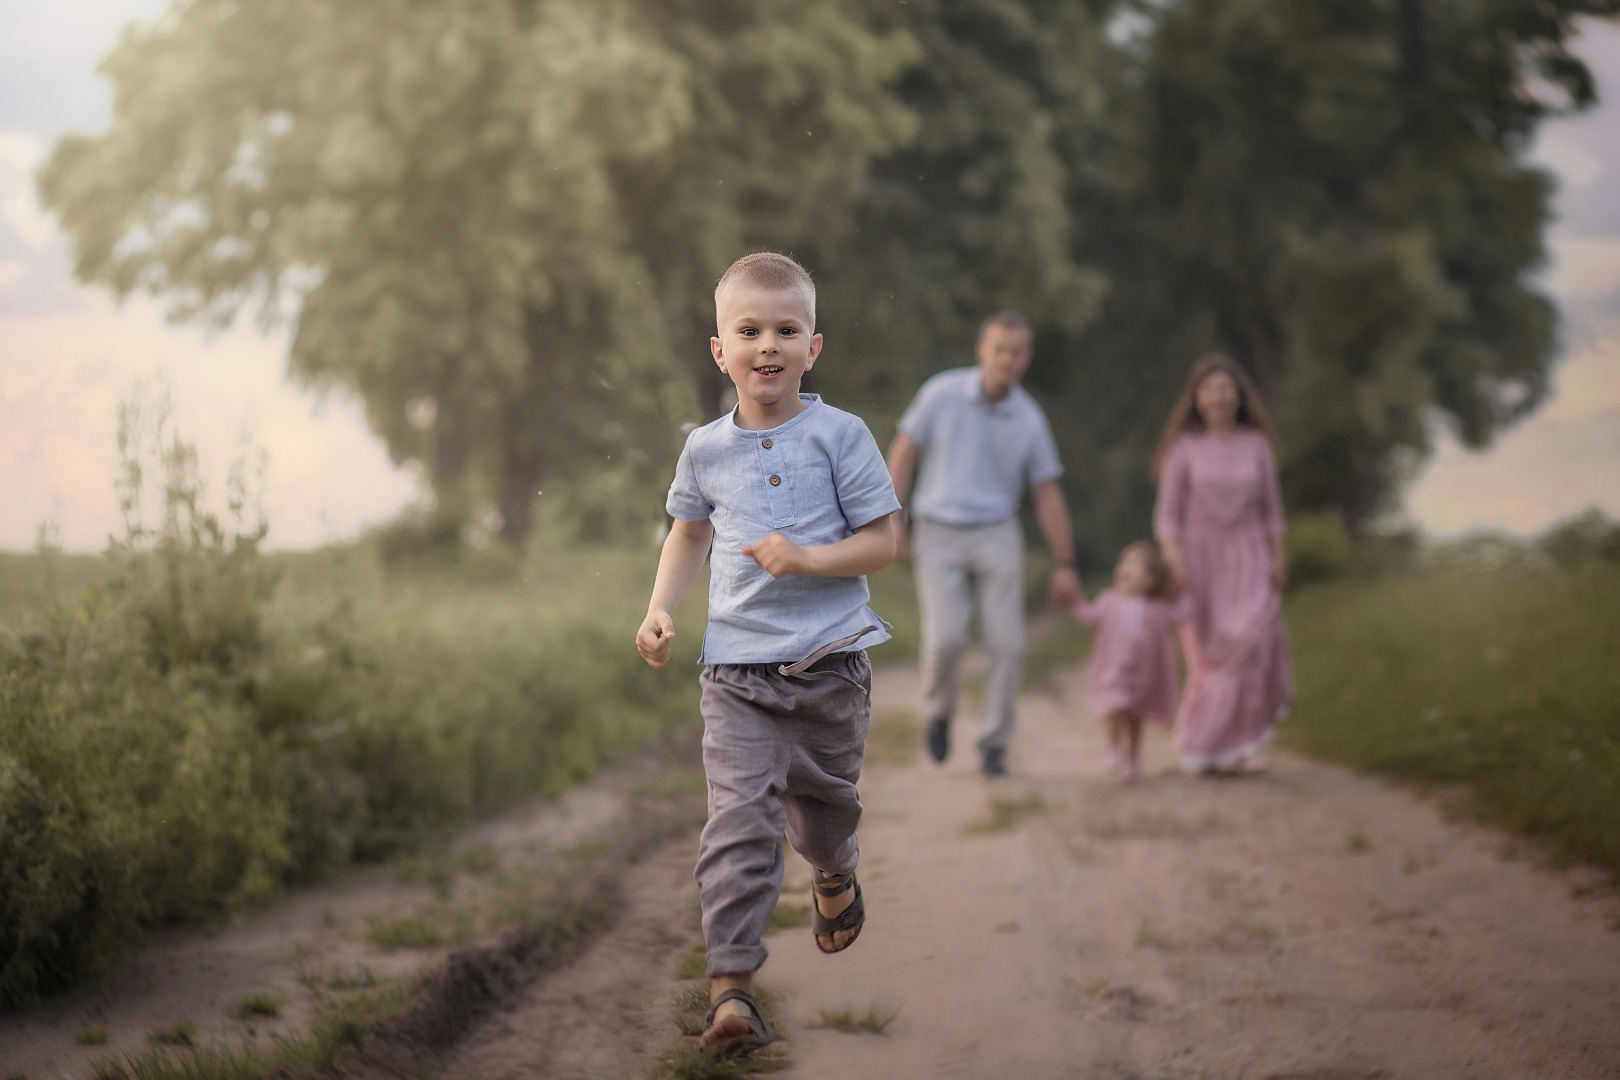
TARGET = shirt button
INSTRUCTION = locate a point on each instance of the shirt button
(766, 443)
(775, 480)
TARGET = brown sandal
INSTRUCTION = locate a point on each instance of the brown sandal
(851, 918)
(757, 1035)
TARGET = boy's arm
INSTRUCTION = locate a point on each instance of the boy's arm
(685, 548)
(866, 552)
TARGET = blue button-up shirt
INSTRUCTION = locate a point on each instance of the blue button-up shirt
(815, 479)
(977, 455)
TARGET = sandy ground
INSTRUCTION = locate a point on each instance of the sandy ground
(1308, 925)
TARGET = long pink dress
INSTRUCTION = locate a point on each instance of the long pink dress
(1218, 496)
(1133, 662)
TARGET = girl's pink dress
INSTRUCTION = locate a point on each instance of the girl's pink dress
(1133, 663)
(1218, 496)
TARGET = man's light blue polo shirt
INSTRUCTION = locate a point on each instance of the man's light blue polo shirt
(977, 455)
(815, 479)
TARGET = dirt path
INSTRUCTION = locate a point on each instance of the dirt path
(324, 940)
(1310, 925)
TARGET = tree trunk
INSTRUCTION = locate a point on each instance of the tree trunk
(520, 477)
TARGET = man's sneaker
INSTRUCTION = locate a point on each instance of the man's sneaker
(938, 739)
(994, 762)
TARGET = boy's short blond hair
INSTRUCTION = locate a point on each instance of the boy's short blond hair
(767, 270)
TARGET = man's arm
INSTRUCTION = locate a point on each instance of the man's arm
(866, 552)
(903, 455)
(1052, 511)
(685, 548)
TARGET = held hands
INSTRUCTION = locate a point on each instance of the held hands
(1064, 590)
(652, 640)
(779, 556)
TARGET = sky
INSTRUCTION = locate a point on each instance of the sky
(69, 354)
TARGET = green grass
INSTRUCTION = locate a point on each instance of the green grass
(1062, 643)
(338, 1029)
(202, 724)
(895, 737)
(179, 1033)
(413, 931)
(266, 1006)
(91, 1035)
(873, 1021)
(1503, 686)
(1006, 813)
(27, 582)
(693, 964)
(788, 916)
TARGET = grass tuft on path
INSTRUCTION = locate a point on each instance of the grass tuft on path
(1006, 813)
(1504, 684)
(873, 1021)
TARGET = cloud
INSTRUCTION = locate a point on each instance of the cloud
(1538, 474)
(1566, 456)
(35, 269)
(62, 375)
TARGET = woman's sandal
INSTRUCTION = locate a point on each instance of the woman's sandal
(851, 918)
(757, 1035)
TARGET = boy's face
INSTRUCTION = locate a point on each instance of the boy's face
(766, 342)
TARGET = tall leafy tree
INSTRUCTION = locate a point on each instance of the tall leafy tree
(1337, 193)
(485, 216)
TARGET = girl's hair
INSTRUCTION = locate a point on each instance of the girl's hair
(1161, 584)
(1184, 416)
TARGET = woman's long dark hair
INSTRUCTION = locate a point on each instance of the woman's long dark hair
(1251, 412)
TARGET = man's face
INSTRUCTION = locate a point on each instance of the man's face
(766, 342)
(1003, 353)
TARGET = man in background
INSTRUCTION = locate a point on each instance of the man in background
(973, 440)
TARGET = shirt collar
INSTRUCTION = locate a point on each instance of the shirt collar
(811, 403)
(976, 392)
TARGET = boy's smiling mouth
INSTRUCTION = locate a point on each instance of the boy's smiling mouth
(768, 371)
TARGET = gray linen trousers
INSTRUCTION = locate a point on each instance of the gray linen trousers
(781, 754)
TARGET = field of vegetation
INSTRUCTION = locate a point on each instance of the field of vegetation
(188, 723)
(1503, 683)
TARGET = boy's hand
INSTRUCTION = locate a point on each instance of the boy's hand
(652, 640)
(778, 555)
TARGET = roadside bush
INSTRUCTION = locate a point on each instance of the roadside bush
(1318, 548)
(190, 734)
(1587, 539)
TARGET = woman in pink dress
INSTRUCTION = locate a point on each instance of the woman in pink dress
(1219, 519)
(1132, 674)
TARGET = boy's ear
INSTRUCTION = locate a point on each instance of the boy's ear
(717, 350)
(815, 351)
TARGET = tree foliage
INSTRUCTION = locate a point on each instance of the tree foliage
(499, 221)
(1336, 193)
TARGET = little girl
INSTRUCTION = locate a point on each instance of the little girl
(1132, 674)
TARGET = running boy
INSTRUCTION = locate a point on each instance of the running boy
(794, 496)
